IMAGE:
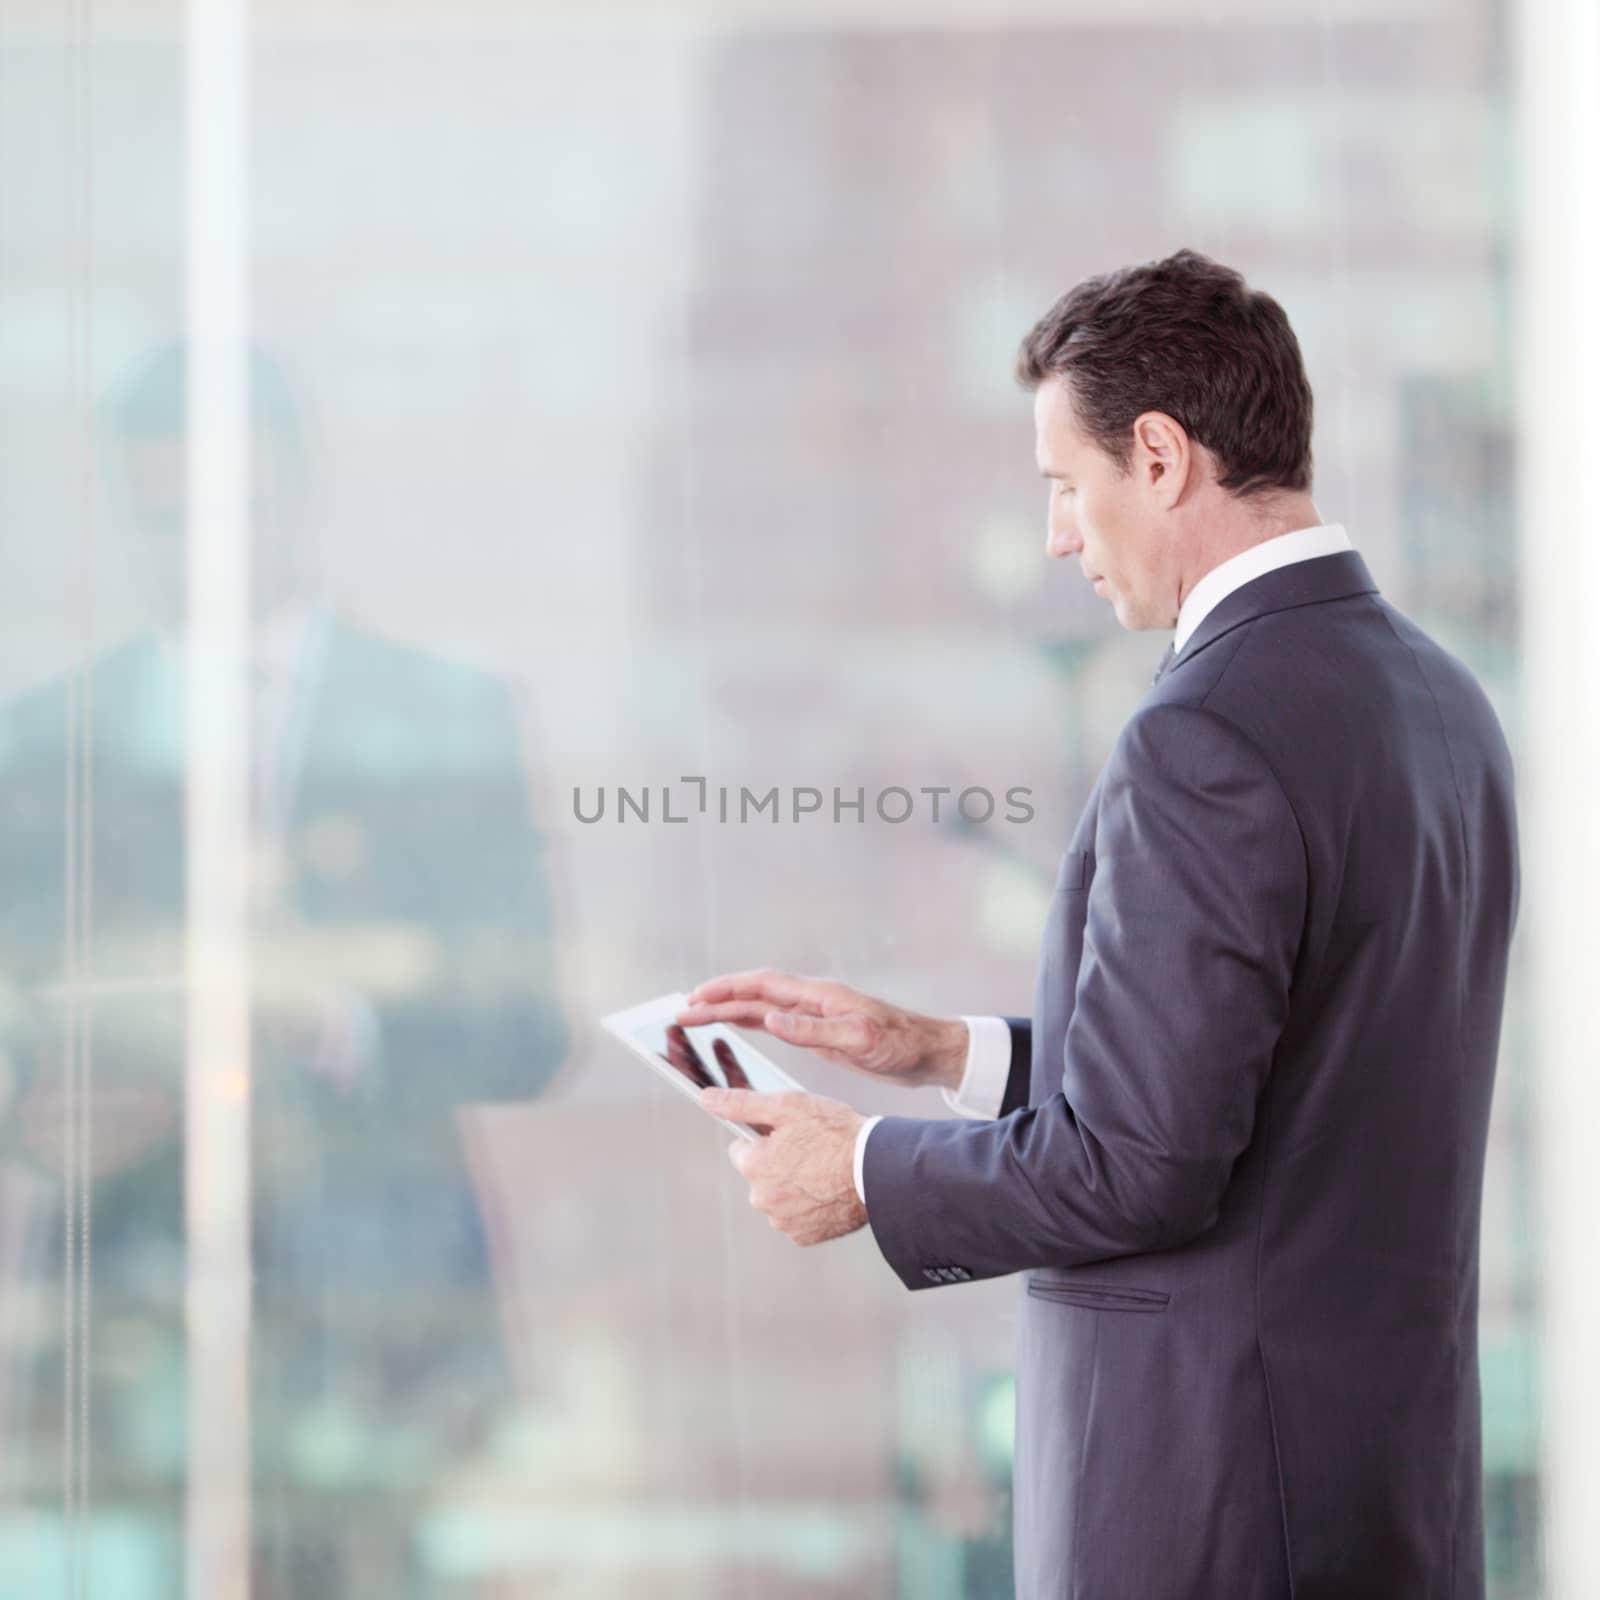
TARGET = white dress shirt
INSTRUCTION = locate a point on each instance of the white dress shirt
(988, 1065)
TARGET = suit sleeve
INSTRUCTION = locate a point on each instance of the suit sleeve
(1193, 925)
(1016, 1095)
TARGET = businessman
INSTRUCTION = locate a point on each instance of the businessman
(1237, 1151)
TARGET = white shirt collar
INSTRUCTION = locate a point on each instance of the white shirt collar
(1302, 544)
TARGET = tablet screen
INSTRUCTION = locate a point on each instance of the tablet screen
(709, 1058)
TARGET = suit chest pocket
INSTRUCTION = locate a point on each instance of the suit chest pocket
(1076, 870)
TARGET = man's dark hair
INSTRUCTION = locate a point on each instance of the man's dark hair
(1188, 337)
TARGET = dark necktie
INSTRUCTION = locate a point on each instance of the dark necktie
(1166, 661)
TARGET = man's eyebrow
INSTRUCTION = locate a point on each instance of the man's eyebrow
(1047, 472)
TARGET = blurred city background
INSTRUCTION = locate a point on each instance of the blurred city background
(621, 392)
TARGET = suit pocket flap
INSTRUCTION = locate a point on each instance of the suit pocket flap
(1074, 872)
(1099, 1296)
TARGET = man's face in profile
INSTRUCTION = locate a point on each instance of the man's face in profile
(148, 453)
(1102, 515)
(155, 465)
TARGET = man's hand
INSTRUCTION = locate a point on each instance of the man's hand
(840, 1023)
(802, 1174)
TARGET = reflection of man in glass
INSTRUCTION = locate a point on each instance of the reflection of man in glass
(404, 965)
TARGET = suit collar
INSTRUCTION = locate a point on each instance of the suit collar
(1302, 583)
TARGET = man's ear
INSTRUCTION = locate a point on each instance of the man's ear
(1163, 456)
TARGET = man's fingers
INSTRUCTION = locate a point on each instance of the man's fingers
(847, 1035)
(741, 1013)
(763, 983)
(794, 1025)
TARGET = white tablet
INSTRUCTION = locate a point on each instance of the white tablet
(692, 1059)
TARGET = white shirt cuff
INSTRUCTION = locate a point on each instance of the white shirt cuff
(988, 1069)
(861, 1149)
(982, 1087)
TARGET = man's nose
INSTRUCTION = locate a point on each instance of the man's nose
(1061, 537)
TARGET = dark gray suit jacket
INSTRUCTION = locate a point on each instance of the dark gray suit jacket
(1240, 1156)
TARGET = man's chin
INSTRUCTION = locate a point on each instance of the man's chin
(1135, 621)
